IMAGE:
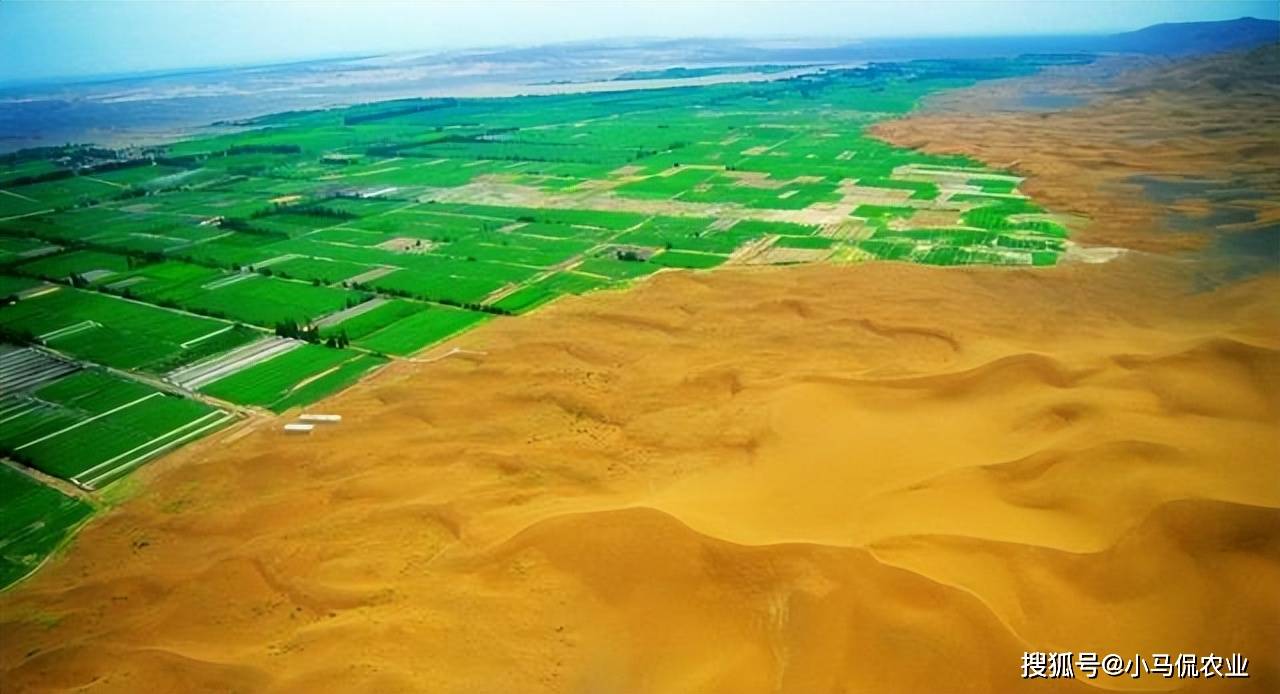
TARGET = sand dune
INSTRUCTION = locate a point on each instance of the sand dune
(874, 478)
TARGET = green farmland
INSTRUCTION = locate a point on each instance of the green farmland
(116, 332)
(150, 297)
(294, 378)
(35, 519)
(412, 333)
(91, 427)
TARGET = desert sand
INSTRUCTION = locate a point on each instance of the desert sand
(868, 478)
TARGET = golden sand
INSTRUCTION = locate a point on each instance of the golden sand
(872, 478)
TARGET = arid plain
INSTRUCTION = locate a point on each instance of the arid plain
(874, 478)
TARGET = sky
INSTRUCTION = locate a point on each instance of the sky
(42, 39)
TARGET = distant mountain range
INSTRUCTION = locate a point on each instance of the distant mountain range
(1190, 38)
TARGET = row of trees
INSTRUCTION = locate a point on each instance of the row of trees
(309, 333)
(445, 301)
(409, 109)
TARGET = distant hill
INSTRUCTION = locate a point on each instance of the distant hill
(1190, 38)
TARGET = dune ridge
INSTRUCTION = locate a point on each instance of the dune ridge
(710, 508)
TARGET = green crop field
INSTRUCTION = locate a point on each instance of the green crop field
(328, 383)
(90, 427)
(325, 270)
(166, 283)
(401, 327)
(173, 262)
(277, 382)
(685, 259)
(805, 242)
(415, 331)
(268, 300)
(615, 269)
(375, 317)
(17, 248)
(112, 331)
(94, 266)
(34, 520)
(545, 290)
(11, 286)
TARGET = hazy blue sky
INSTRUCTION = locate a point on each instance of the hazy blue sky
(40, 39)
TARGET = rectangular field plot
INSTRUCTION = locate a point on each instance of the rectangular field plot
(751, 228)
(24, 165)
(233, 250)
(815, 242)
(666, 186)
(166, 283)
(61, 193)
(14, 204)
(328, 383)
(34, 521)
(602, 219)
(402, 327)
(616, 269)
(209, 204)
(516, 249)
(15, 248)
(420, 329)
(296, 377)
(116, 332)
(12, 286)
(367, 318)
(689, 234)
(360, 207)
(349, 235)
(25, 368)
(91, 266)
(322, 269)
(439, 286)
(91, 427)
(117, 230)
(288, 224)
(542, 230)
(684, 259)
(545, 290)
(266, 301)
